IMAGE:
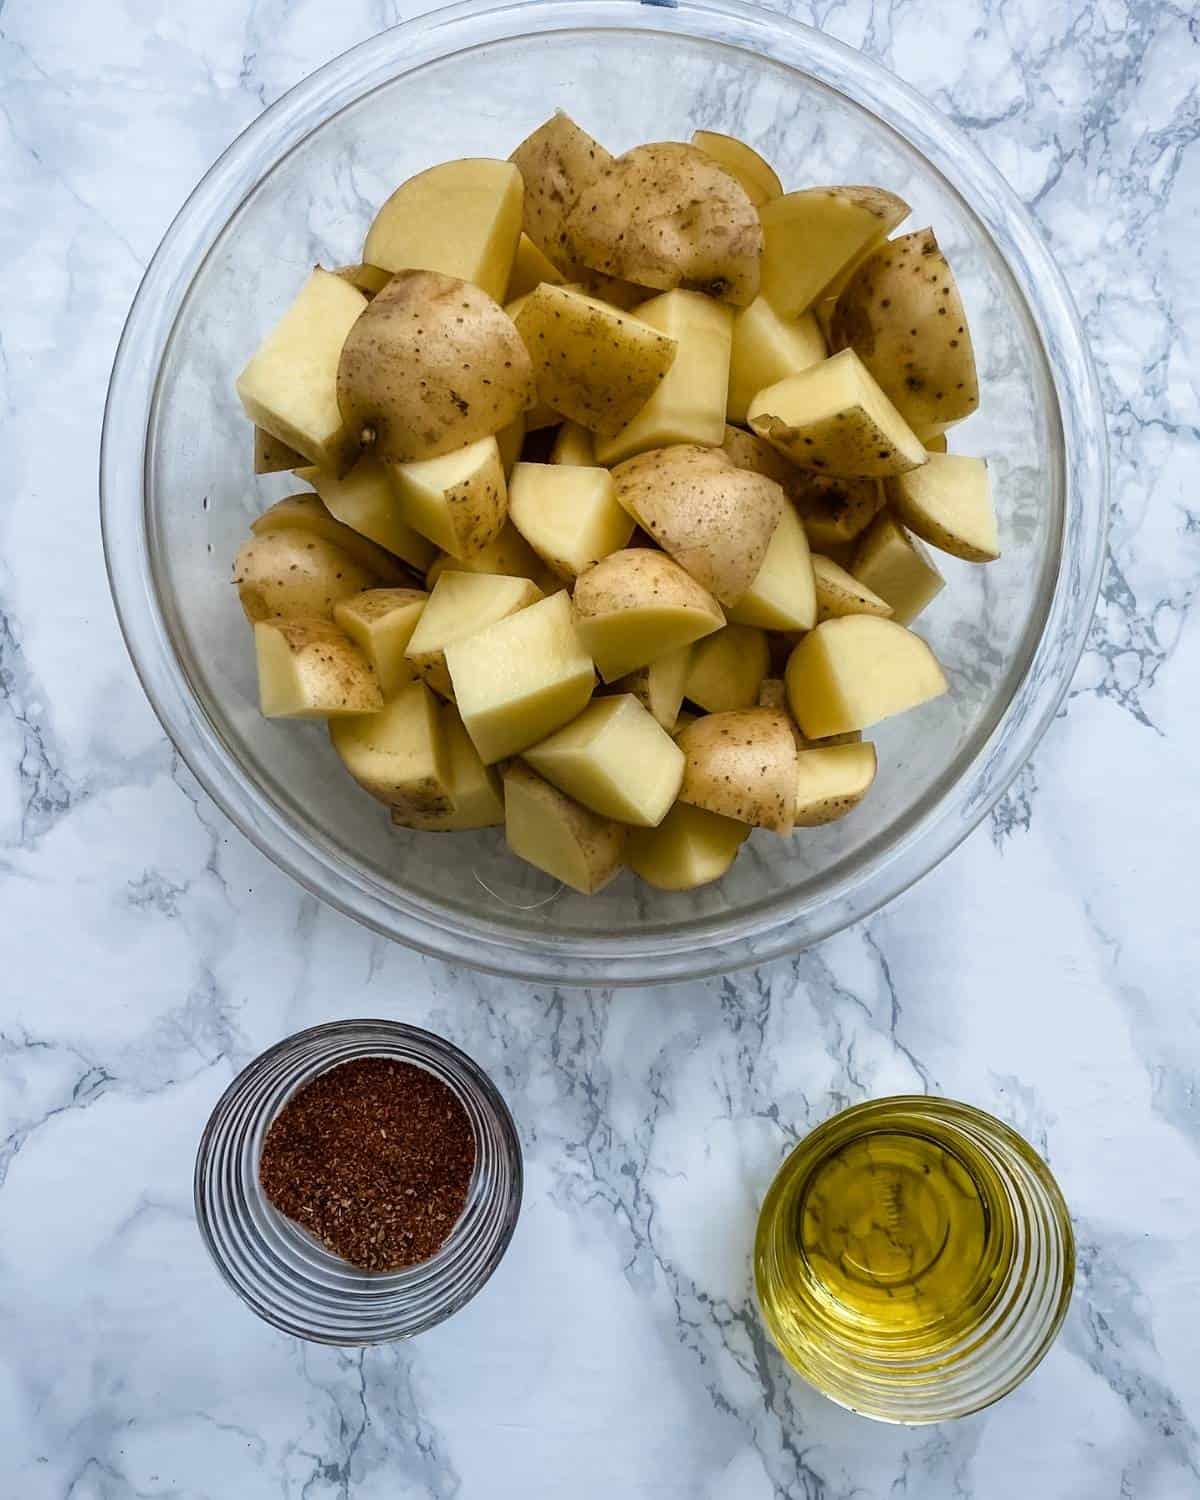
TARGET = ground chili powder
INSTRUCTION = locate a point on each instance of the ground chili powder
(374, 1158)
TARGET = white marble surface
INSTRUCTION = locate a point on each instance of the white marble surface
(1047, 971)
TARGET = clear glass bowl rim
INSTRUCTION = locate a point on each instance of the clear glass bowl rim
(719, 944)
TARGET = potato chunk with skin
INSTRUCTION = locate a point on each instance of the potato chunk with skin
(659, 686)
(520, 679)
(851, 673)
(783, 595)
(742, 765)
(568, 515)
(835, 508)
(746, 450)
(689, 404)
(307, 669)
(840, 593)
(727, 669)
(368, 279)
(305, 512)
(289, 387)
(897, 568)
(667, 215)
(757, 176)
(475, 791)
(362, 501)
(509, 554)
(552, 832)
(273, 457)
(289, 574)
(591, 363)
(948, 503)
(399, 754)
(530, 269)
(574, 446)
(556, 162)
(689, 848)
(812, 235)
(766, 349)
(459, 501)
(831, 781)
(461, 605)
(638, 605)
(834, 417)
(614, 759)
(461, 218)
(380, 623)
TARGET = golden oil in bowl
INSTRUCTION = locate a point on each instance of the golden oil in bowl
(914, 1259)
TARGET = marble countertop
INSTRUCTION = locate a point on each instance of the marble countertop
(1047, 971)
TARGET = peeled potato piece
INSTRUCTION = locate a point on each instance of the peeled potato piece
(550, 831)
(840, 593)
(305, 512)
(948, 503)
(766, 349)
(362, 501)
(307, 669)
(756, 176)
(530, 268)
(831, 781)
(459, 501)
(835, 508)
(399, 754)
(475, 790)
(742, 765)
(851, 673)
(272, 457)
(461, 605)
(380, 623)
(574, 446)
(727, 669)
(811, 236)
(637, 605)
(746, 450)
(783, 595)
(569, 515)
(659, 686)
(897, 568)
(556, 162)
(689, 848)
(284, 574)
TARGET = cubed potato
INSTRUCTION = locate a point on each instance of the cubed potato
(509, 553)
(743, 766)
(557, 161)
(840, 593)
(289, 387)
(273, 457)
(530, 269)
(948, 503)
(658, 687)
(475, 790)
(727, 669)
(461, 218)
(362, 500)
(689, 404)
(380, 623)
(520, 679)
(689, 848)
(568, 515)
(292, 574)
(370, 280)
(851, 673)
(766, 349)
(811, 236)
(552, 832)
(897, 568)
(835, 418)
(615, 759)
(783, 594)
(458, 501)
(746, 450)
(461, 605)
(591, 363)
(831, 781)
(574, 445)
(306, 512)
(307, 669)
(835, 509)
(756, 176)
(399, 754)
(638, 605)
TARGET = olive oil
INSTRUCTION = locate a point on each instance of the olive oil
(912, 1254)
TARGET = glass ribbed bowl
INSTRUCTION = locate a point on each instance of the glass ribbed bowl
(300, 185)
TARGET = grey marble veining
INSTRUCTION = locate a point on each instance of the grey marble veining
(1046, 971)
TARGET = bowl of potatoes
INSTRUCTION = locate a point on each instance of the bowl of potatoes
(602, 492)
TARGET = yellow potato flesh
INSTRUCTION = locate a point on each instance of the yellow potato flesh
(510, 554)
(812, 235)
(756, 176)
(948, 503)
(766, 349)
(659, 686)
(363, 501)
(568, 514)
(530, 268)
(689, 848)
(897, 568)
(727, 669)
(840, 593)
(461, 605)
(305, 512)
(307, 669)
(398, 755)
(475, 791)
(458, 501)
(831, 781)
(380, 622)
(508, 441)
(851, 673)
(783, 594)
(552, 832)
(573, 446)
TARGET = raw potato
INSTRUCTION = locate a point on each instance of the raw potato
(835, 508)
(948, 503)
(306, 512)
(767, 349)
(772, 693)
(897, 567)
(746, 450)
(290, 386)
(574, 445)
(530, 269)
(431, 365)
(783, 595)
(509, 441)
(568, 515)
(831, 781)
(272, 457)
(592, 364)
(835, 418)
(459, 501)
(399, 755)
(638, 605)
(690, 847)
(935, 442)
(461, 219)
(614, 759)
(666, 216)
(509, 554)
(850, 673)
(756, 176)
(380, 623)
(294, 574)
(557, 162)
(368, 279)
(689, 404)
(362, 502)
(902, 314)
(659, 686)
(811, 236)
(742, 765)
(307, 669)
(474, 788)
(552, 832)
(520, 679)
(461, 605)
(727, 669)
(840, 593)
(715, 519)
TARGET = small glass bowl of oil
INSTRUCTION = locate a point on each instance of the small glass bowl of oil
(914, 1259)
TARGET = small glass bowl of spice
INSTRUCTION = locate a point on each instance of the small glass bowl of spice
(358, 1182)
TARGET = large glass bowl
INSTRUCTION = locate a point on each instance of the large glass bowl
(300, 186)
